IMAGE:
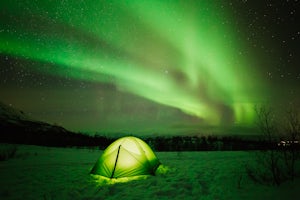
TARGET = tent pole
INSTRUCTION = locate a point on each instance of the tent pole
(112, 175)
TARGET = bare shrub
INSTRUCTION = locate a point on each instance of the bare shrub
(275, 164)
(268, 159)
(266, 168)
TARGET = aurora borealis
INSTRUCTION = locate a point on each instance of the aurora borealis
(147, 66)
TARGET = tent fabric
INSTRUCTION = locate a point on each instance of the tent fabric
(127, 156)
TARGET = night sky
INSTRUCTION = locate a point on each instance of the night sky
(149, 67)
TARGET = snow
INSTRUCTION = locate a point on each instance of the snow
(63, 173)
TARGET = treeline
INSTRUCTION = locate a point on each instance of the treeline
(206, 143)
(37, 133)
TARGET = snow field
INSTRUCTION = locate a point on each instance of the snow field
(63, 173)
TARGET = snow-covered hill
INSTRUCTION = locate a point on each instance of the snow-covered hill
(8, 112)
(17, 127)
(10, 116)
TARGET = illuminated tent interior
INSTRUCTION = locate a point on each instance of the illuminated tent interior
(126, 157)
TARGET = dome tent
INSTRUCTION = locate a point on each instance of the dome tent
(125, 157)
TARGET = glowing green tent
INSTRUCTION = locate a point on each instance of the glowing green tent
(127, 156)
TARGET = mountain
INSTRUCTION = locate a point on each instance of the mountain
(17, 127)
(12, 119)
(8, 112)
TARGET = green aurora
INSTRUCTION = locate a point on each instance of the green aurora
(182, 54)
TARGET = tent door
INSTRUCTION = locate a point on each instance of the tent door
(112, 175)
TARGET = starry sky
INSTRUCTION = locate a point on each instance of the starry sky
(149, 67)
